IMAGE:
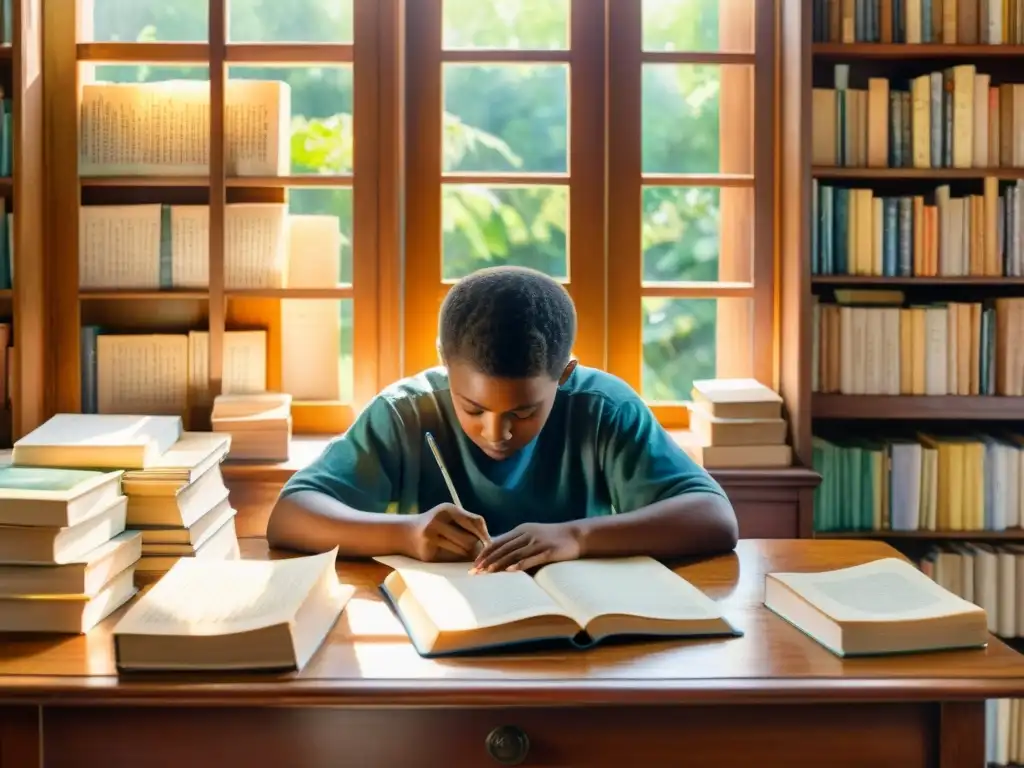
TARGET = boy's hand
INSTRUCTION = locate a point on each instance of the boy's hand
(447, 532)
(528, 546)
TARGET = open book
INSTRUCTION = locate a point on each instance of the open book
(445, 610)
(885, 606)
(233, 614)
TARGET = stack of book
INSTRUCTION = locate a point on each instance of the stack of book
(66, 561)
(260, 424)
(737, 423)
(169, 481)
(180, 505)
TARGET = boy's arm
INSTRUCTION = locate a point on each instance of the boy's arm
(670, 506)
(338, 499)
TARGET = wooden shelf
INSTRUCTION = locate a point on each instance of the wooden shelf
(309, 54)
(339, 292)
(271, 182)
(936, 174)
(1013, 534)
(881, 282)
(911, 407)
(129, 295)
(915, 51)
(6, 52)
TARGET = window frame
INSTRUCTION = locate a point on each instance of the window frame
(397, 59)
(425, 58)
(750, 350)
(605, 218)
(71, 47)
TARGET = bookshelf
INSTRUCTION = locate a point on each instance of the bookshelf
(225, 298)
(23, 304)
(957, 172)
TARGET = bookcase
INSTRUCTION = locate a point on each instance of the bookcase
(203, 154)
(23, 307)
(913, 206)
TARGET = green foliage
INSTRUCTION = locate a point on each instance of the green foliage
(502, 119)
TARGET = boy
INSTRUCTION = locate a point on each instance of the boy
(541, 451)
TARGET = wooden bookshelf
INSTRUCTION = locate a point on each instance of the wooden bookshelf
(218, 308)
(808, 64)
(887, 51)
(874, 281)
(912, 408)
(1007, 536)
(25, 190)
(937, 175)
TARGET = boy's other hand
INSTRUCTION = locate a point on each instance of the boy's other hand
(528, 546)
(447, 532)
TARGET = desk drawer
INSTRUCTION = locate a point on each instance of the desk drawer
(607, 737)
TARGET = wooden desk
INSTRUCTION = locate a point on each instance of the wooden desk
(770, 698)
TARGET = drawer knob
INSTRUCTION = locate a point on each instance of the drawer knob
(508, 745)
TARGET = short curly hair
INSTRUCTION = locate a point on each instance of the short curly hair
(508, 322)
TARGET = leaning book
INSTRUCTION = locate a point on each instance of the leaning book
(446, 610)
(886, 606)
(233, 615)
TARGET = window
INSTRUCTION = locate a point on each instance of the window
(504, 145)
(610, 144)
(330, 94)
(691, 247)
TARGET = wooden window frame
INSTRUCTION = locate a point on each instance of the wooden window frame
(65, 53)
(746, 340)
(605, 259)
(425, 58)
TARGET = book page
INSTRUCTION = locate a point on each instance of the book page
(310, 345)
(314, 251)
(142, 374)
(255, 245)
(632, 586)
(245, 362)
(119, 246)
(191, 450)
(456, 601)
(199, 368)
(883, 590)
(190, 246)
(257, 127)
(220, 597)
(103, 430)
(160, 128)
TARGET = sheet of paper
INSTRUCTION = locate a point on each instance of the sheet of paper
(456, 601)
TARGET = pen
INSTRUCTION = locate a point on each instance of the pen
(444, 469)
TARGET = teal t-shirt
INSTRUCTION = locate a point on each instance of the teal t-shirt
(600, 452)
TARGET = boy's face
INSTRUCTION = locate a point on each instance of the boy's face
(501, 415)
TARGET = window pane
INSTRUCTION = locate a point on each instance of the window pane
(697, 118)
(697, 233)
(147, 20)
(141, 73)
(321, 114)
(295, 21)
(681, 344)
(487, 226)
(329, 202)
(507, 24)
(320, 368)
(699, 25)
(506, 117)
